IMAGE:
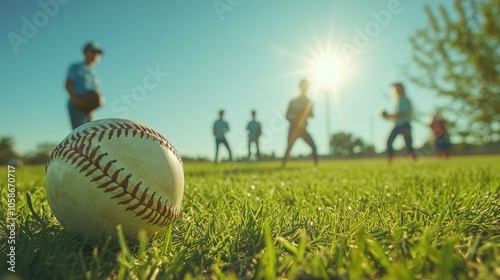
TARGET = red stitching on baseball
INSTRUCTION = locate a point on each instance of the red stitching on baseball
(79, 152)
(136, 188)
(148, 216)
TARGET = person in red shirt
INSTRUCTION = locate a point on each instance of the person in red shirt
(441, 141)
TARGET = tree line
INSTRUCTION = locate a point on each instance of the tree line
(9, 156)
(341, 144)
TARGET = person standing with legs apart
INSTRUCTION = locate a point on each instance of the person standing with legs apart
(401, 119)
(299, 110)
(254, 131)
(83, 86)
(220, 129)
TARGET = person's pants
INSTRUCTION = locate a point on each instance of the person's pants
(77, 116)
(256, 146)
(293, 134)
(404, 129)
(217, 143)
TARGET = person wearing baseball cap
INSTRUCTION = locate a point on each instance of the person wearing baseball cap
(92, 47)
(81, 79)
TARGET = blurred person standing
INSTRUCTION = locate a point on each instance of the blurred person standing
(440, 134)
(81, 82)
(254, 131)
(299, 110)
(220, 129)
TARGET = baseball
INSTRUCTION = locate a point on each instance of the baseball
(115, 171)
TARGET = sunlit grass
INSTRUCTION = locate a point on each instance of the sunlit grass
(343, 220)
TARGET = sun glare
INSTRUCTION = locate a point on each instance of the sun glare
(327, 70)
(326, 65)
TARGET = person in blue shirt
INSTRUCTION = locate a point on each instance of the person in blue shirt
(81, 79)
(254, 131)
(220, 129)
(299, 110)
(401, 120)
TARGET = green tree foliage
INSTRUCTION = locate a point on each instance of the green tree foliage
(458, 54)
(41, 154)
(345, 144)
(7, 150)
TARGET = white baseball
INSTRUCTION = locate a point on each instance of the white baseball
(115, 171)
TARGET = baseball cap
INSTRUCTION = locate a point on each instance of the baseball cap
(93, 46)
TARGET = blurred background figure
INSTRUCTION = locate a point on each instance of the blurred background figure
(440, 134)
(82, 79)
(401, 119)
(254, 131)
(299, 110)
(220, 129)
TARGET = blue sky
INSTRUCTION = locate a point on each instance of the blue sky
(237, 55)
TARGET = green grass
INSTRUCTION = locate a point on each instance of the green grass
(358, 219)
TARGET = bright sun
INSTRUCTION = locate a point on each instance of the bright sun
(326, 65)
(328, 70)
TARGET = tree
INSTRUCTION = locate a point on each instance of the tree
(41, 154)
(345, 144)
(7, 150)
(459, 56)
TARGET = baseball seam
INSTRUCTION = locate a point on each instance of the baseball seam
(78, 151)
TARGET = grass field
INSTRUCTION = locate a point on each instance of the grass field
(357, 219)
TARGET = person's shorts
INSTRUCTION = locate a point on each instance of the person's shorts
(77, 116)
